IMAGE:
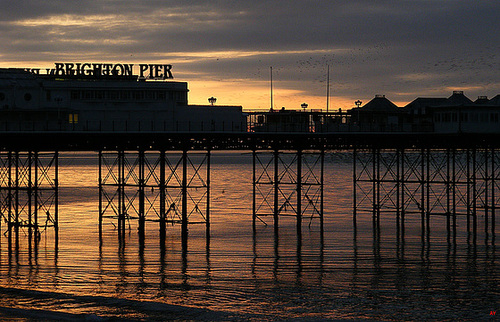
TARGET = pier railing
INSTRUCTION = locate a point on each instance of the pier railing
(247, 126)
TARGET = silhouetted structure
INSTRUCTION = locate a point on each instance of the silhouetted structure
(52, 102)
(146, 135)
(379, 114)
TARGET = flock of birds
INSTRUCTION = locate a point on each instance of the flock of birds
(360, 69)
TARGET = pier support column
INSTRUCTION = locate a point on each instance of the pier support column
(450, 183)
(403, 193)
(122, 210)
(141, 210)
(118, 182)
(276, 192)
(474, 193)
(28, 188)
(162, 194)
(422, 176)
(156, 187)
(428, 193)
(354, 190)
(5, 188)
(494, 183)
(101, 192)
(486, 191)
(322, 206)
(254, 191)
(299, 194)
(287, 185)
(184, 218)
(207, 209)
(55, 219)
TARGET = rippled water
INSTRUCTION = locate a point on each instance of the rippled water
(239, 275)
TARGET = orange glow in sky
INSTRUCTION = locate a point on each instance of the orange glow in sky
(227, 51)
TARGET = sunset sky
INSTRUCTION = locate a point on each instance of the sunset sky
(403, 49)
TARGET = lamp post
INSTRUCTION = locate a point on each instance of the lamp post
(304, 106)
(358, 104)
(212, 100)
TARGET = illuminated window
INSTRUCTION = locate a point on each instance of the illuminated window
(73, 118)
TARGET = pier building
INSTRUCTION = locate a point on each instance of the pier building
(454, 114)
(63, 101)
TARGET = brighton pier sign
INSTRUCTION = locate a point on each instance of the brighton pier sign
(146, 71)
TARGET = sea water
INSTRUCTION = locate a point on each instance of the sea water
(237, 274)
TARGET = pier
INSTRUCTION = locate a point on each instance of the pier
(401, 173)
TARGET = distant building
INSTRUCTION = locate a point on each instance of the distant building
(458, 113)
(419, 115)
(454, 114)
(30, 101)
(282, 120)
(105, 97)
(379, 114)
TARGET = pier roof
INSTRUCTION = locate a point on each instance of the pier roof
(495, 100)
(423, 102)
(379, 104)
(457, 98)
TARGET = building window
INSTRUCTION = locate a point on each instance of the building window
(88, 95)
(181, 97)
(138, 95)
(446, 117)
(113, 95)
(150, 95)
(474, 117)
(73, 118)
(493, 117)
(124, 95)
(99, 95)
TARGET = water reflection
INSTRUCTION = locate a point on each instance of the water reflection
(380, 270)
(23, 264)
(374, 270)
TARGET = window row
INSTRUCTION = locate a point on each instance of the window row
(127, 95)
(467, 117)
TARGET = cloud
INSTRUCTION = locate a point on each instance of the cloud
(398, 48)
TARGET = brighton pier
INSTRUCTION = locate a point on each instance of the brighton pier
(437, 157)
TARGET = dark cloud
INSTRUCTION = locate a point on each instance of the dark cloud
(400, 48)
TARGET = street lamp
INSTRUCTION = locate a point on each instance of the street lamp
(304, 106)
(212, 100)
(358, 104)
